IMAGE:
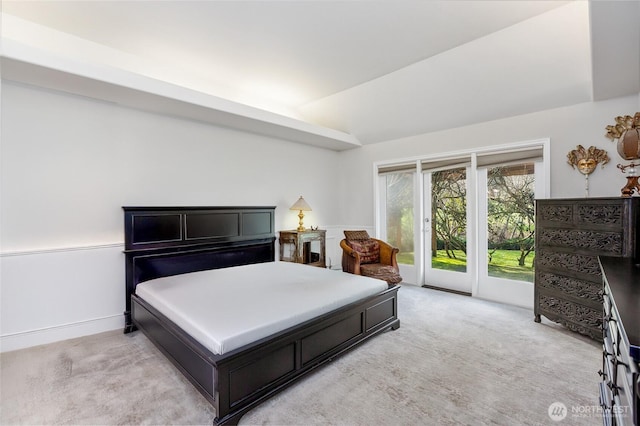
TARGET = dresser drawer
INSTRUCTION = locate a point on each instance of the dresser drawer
(588, 214)
(606, 303)
(585, 315)
(605, 400)
(625, 392)
(601, 242)
(585, 291)
(608, 213)
(566, 262)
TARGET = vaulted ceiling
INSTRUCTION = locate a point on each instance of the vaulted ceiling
(374, 70)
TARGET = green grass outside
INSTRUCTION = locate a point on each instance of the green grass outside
(504, 264)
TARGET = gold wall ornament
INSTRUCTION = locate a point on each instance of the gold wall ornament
(586, 160)
(627, 132)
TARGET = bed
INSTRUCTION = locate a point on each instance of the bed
(172, 247)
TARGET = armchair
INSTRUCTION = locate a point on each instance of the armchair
(371, 257)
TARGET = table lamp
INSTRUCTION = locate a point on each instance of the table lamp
(300, 205)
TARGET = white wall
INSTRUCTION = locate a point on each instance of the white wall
(69, 163)
(582, 124)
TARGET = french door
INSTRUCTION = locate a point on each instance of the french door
(471, 216)
(506, 237)
(448, 239)
(479, 229)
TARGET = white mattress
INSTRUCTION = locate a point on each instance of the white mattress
(225, 309)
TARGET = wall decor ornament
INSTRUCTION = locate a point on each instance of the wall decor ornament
(627, 132)
(633, 172)
(586, 160)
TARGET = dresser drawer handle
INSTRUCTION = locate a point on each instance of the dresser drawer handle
(614, 388)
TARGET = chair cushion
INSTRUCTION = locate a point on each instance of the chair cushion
(382, 272)
(356, 235)
(369, 250)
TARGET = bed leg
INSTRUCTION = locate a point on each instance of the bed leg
(128, 324)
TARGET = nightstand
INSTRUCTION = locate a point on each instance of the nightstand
(307, 247)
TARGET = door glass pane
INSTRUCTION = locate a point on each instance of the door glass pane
(449, 220)
(510, 221)
(399, 214)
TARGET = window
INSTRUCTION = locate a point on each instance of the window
(398, 191)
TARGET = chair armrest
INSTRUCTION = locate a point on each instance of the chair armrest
(350, 259)
(348, 250)
(388, 253)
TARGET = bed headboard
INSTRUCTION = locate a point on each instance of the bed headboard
(164, 241)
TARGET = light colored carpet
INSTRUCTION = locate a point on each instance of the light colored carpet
(454, 360)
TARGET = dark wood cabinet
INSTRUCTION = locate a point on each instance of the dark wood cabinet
(620, 385)
(570, 235)
(306, 247)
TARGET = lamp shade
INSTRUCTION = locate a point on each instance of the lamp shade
(301, 204)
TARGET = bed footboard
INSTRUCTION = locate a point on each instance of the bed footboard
(240, 380)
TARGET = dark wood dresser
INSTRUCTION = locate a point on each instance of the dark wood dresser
(570, 235)
(620, 385)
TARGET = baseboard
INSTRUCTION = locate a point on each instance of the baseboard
(462, 293)
(26, 339)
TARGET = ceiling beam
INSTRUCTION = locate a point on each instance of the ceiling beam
(27, 65)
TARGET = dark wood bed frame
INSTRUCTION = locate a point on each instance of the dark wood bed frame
(163, 241)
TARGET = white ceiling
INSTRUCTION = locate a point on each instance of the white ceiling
(377, 70)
